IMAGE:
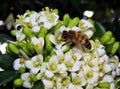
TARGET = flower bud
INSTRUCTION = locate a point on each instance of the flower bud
(18, 82)
(57, 26)
(111, 41)
(33, 77)
(27, 32)
(104, 85)
(66, 19)
(22, 70)
(13, 48)
(55, 11)
(30, 47)
(73, 22)
(42, 32)
(115, 47)
(48, 43)
(13, 32)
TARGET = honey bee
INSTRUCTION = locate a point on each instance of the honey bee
(75, 38)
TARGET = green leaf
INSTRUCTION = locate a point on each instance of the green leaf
(4, 38)
(38, 85)
(7, 76)
(100, 30)
(6, 61)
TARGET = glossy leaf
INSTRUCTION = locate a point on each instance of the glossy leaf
(7, 76)
(6, 61)
(100, 30)
(38, 85)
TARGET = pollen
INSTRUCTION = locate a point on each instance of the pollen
(37, 63)
(30, 24)
(64, 82)
(90, 74)
(90, 64)
(74, 57)
(59, 38)
(100, 66)
(61, 58)
(77, 80)
(22, 60)
(53, 67)
(69, 64)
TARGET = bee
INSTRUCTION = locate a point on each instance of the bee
(75, 38)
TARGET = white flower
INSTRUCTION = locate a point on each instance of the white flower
(35, 63)
(35, 29)
(26, 78)
(20, 36)
(38, 44)
(48, 19)
(53, 64)
(19, 62)
(90, 75)
(49, 84)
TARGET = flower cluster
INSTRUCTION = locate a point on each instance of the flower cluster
(45, 56)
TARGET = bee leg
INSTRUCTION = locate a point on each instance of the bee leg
(72, 45)
(68, 42)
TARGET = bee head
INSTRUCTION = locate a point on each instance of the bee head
(64, 35)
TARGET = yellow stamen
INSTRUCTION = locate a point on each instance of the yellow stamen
(64, 82)
(53, 66)
(59, 38)
(61, 59)
(30, 24)
(90, 64)
(69, 64)
(37, 63)
(22, 60)
(100, 66)
(77, 80)
(74, 57)
(90, 74)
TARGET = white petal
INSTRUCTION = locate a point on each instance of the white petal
(89, 33)
(71, 86)
(25, 76)
(36, 29)
(17, 65)
(86, 23)
(27, 84)
(47, 25)
(34, 70)
(20, 36)
(48, 84)
(108, 78)
(107, 68)
(52, 39)
(49, 74)
(29, 64)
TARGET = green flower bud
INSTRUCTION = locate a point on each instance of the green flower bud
(27, 32)
(33, 77)
(55, 11)
(30, 47)
(57, 26)
(21, 44)
(106, 37)
(48, 43)
(104, 85)
(13, 32)
(25, 49)
(111, 41)
(67, 48)
(115, 47)
(13, 48)
(42, 32)
(18, 82)
(66, 19)
(73, 22)
(22, 70)
(47, 58)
